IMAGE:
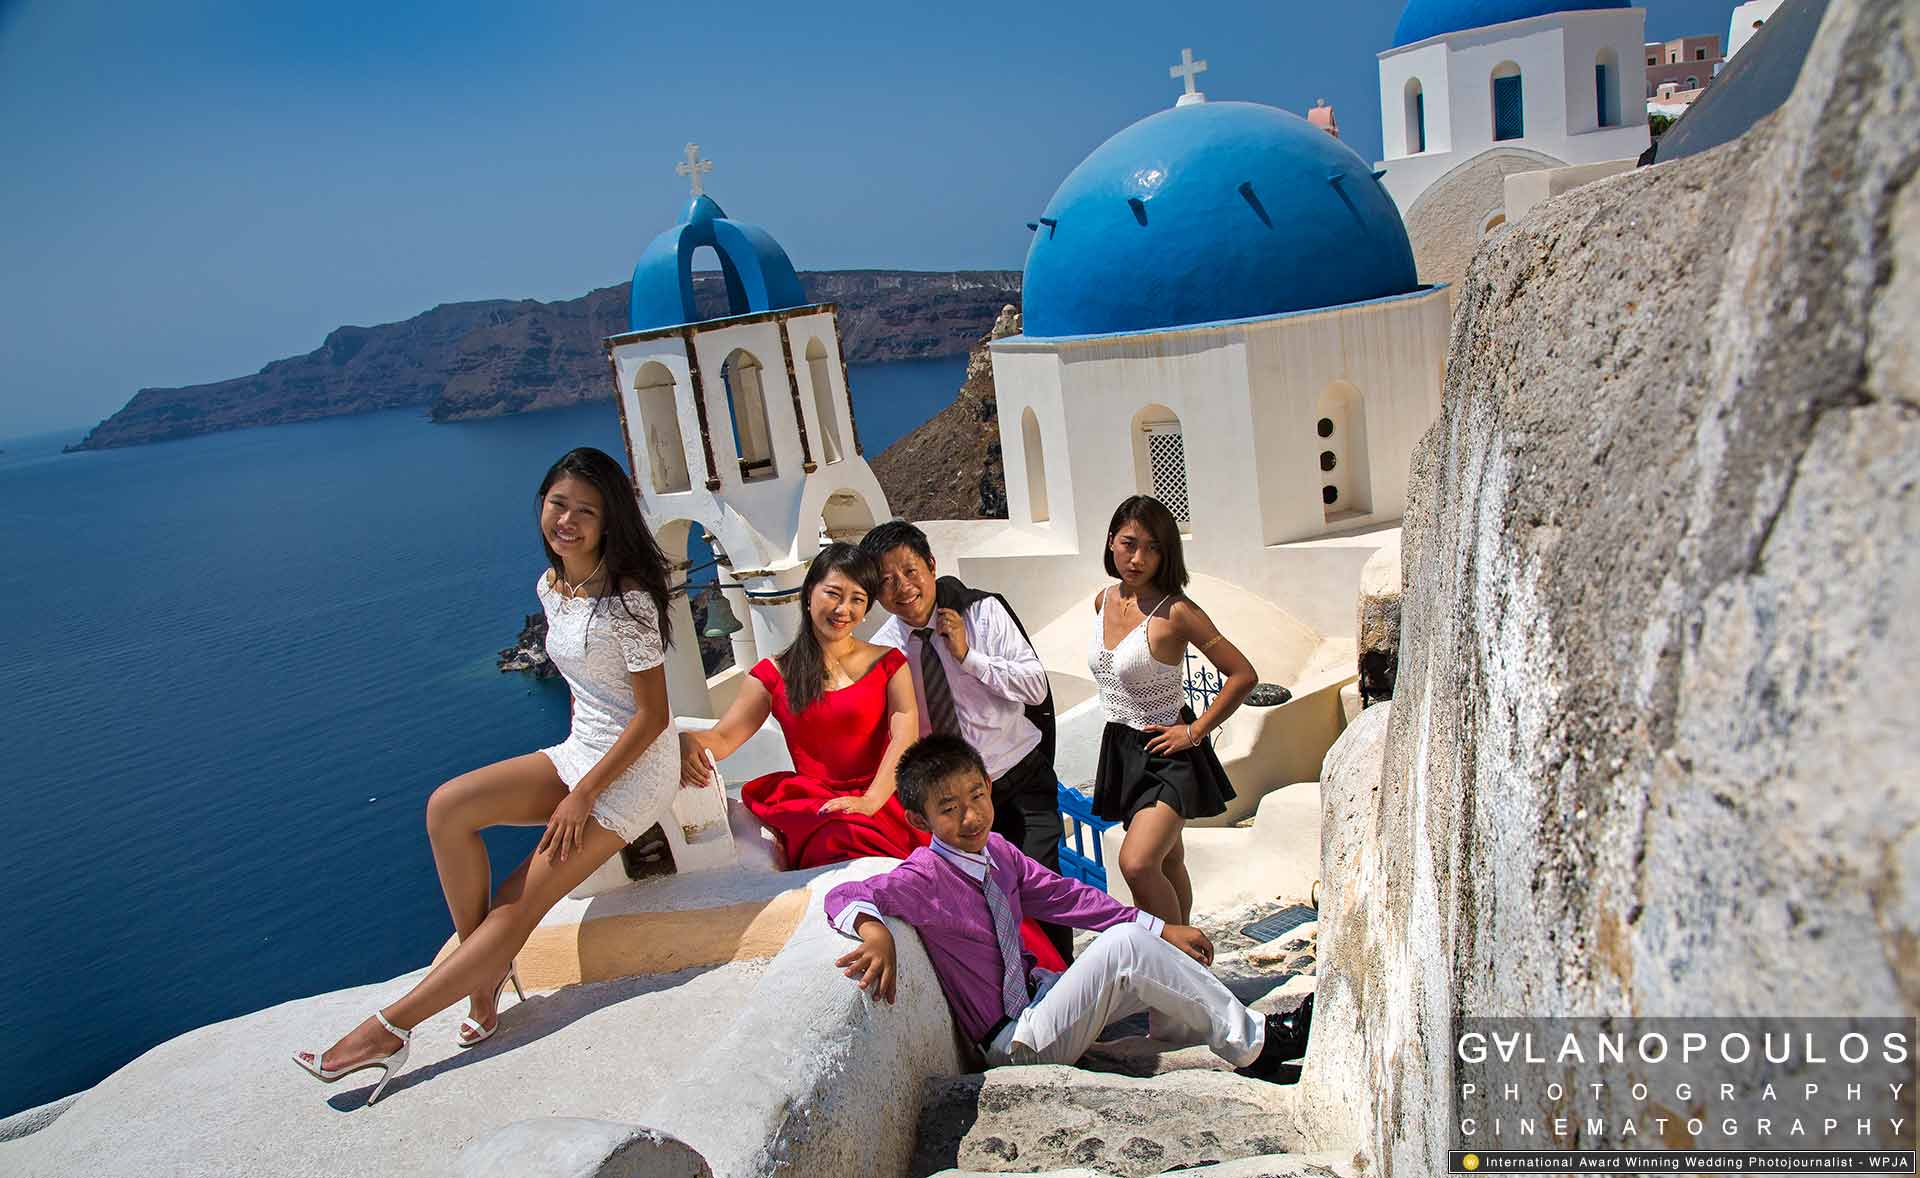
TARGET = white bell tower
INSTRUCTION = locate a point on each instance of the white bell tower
(739, 424)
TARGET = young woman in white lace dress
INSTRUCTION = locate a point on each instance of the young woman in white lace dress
(605, 596)
(1157, 772)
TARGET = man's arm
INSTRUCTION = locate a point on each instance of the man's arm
(1001, 658)
(1054, 898)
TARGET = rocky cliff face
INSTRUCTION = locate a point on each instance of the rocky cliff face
(488, 359)
(950, 468)
(1661, 552)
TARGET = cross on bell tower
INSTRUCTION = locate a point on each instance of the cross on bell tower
(696, 167)
(1186, 71)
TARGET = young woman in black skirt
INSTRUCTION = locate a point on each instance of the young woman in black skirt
(1157, 772)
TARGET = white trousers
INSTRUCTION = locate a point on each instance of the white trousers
(1125, 971)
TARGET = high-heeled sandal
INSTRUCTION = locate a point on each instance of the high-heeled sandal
(388, 1064)
(482, 1034)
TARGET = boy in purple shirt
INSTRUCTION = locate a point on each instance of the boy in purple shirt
(966, 895)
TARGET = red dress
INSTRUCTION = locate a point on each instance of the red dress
(836, 745)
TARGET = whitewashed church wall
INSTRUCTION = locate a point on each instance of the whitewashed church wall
(1201, 378)
(1556, 55)
(1543, 86)
(1288, 364)
(628, 360)
(1407, 178)
(1587, 33)
(805, 330)
(1031, 379)
(1394, 356)
(1429, 64)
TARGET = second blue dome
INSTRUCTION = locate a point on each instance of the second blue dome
(1421, 19)
(1209, 212)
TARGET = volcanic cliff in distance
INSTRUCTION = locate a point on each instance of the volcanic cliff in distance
(494, 357)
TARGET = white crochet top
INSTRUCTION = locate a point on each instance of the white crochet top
(1136, 689)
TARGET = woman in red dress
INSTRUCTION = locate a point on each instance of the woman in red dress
(848, 712)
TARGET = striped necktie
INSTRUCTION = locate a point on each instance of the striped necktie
(933, 676)
(1013, 966)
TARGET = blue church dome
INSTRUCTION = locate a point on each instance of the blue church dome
(1212, 211)
(1421, 19)
(757, 272)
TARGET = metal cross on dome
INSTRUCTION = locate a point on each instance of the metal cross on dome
(1187, 69)
(694, 167)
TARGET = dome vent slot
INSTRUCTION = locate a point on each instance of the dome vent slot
(1259, 210)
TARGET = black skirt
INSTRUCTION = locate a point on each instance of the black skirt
(1130, 778)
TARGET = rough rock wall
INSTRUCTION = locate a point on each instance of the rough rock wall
(1651, 748)
(1444, 225)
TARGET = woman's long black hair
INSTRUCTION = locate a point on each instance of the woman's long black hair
(802, 665)
(633, 556)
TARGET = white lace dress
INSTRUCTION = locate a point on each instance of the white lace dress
(597, 643)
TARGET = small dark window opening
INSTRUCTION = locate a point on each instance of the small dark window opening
(1328, 494)
(1326, 427)
(1326, 460)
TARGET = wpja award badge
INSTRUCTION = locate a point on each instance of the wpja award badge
(1683, 1095)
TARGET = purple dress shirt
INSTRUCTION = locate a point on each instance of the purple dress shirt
(937, 891)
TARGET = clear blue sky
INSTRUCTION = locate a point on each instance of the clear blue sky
(194, 189)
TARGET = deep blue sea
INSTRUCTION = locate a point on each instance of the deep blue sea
(235, 667)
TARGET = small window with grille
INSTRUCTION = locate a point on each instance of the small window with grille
(1167, 466)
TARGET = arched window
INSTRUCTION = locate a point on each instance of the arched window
(1160, 460)
(1416, 114)
(820, 374)
(1036, 466)
(666, 450)
(1693, 83)
(1493, 222)
(845, 517)
(1606, 89)
(1509, 105)
(1340, 438)
(747, 406)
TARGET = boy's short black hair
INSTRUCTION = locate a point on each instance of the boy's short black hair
(930, 761)
(891, 535)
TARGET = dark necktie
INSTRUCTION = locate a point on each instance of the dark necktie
(933, 677)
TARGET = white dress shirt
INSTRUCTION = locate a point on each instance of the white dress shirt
(991, 687)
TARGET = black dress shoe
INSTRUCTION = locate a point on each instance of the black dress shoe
(1286, 1041)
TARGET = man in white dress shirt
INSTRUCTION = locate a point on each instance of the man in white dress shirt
(976, 676)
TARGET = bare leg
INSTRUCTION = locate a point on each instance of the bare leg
(1143, 853)
(482, 957)
(1175, 868)
(521, 791)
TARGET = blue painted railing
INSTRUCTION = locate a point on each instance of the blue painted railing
(1201, 683)
(1076, 814)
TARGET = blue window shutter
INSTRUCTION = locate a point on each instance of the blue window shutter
(1420, 121)
(1509, 118)
(1600, 103)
